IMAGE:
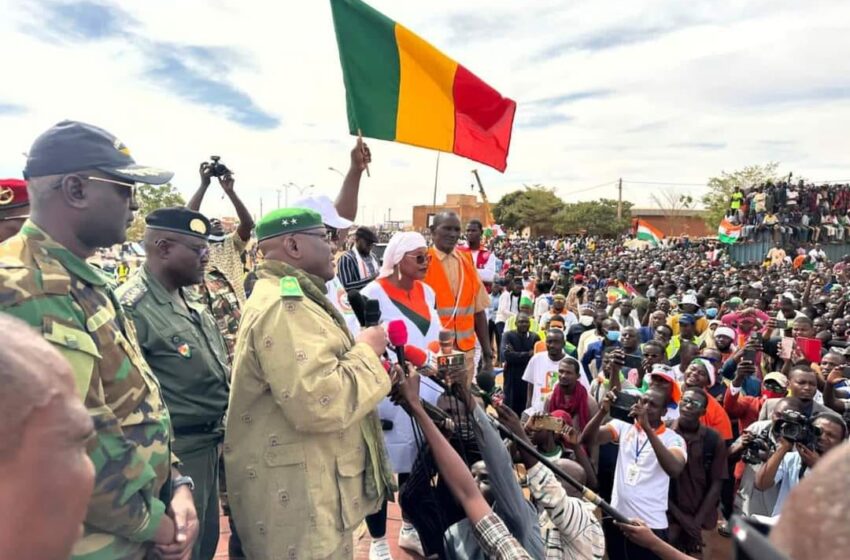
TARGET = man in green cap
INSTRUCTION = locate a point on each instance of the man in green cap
(186, 351)
(303, 447)
(81, 181)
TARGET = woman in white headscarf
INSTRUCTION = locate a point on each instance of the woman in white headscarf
(402, 295)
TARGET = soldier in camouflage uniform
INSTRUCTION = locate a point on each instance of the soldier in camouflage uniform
(185, 350)
(81, 181)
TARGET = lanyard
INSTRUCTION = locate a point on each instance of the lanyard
(639, 451)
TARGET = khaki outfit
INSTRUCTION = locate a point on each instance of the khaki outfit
(303, 448)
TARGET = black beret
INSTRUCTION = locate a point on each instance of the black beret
(179, 219)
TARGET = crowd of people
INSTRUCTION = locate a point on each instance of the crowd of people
(789, 212)
(494, 387)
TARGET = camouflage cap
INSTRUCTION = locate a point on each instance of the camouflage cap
(287, 220)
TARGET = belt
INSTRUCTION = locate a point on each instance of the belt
(197, 429)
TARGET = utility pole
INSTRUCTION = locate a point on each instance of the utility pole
(278, 198)
(261, 206)
(620, 199)
(436, 179)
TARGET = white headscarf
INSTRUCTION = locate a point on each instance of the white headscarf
(401, 243)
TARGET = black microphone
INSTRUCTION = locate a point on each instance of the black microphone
(372, 312)
(358, 305)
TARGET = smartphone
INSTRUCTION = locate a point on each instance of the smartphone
(632, 361)
(845, 372)
(547, 423)
(781, 324)
(749, 355)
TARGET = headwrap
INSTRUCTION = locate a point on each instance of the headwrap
(400, 244)
(725, 331)
(709, 368)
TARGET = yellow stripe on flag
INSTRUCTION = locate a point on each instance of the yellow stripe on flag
(426, 109)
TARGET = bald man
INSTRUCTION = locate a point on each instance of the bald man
(44, 430)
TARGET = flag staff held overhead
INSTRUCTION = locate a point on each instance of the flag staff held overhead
(362, 151)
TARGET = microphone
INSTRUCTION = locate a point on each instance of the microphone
(397, 334)
(447, 341)
(416, 356)
(358, 305)
(372, 314)
(485, 382)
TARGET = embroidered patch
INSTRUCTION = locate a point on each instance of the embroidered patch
(184, 350)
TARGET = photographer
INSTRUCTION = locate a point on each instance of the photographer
(794, 456)
(803, 384)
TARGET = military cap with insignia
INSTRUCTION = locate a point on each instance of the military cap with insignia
(13, 196)
(71, 146)
(179, 219)
(287, 220)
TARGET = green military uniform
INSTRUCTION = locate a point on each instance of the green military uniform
(186, 352)
(70, 303)
(303, 448)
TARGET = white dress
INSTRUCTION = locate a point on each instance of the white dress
(400, 442)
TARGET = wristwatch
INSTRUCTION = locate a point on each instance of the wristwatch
(183, 480)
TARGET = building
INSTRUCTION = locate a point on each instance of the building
(466, 206)
(675, 223)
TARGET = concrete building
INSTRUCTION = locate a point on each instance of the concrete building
(675, 223)
(467, 206)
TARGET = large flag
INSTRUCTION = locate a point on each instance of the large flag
(648, 232)
(400, 88)
(727, 232)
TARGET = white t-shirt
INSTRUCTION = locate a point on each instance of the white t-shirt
(339, 298)
(542, 373)
(640, 484)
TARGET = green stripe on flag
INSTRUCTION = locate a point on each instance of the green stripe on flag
(370, 67)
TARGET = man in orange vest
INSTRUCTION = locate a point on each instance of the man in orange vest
(461, 297)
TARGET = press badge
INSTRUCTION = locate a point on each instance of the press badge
(632, 474)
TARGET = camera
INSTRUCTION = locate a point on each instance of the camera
(797, 428)
(622, 406)
(218, 169)
(758, 450)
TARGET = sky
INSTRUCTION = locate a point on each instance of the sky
(661, 93)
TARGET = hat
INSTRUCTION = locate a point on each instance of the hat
(525, 302)
(13, 194)
(690, 299)
(74, 146)
(665, 372)
(578, 278)
(559, 297)
(778, 377)
(287, 220)
(736, 300)
(709, 369)
(366, 234)
(687, 319)
(325, 207)
(179, 219)
(724, 331)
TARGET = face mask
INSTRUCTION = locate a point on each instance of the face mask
(613, 336)
(586, 320)
(711, 312)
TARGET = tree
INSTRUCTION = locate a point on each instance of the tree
(674, 204)
(150, 198)
(721, 188)
(594, 217)
(532, 207)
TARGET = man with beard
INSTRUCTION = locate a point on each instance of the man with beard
(184, 348)
(82, 180)
(461, 298)
(14, 207)
(225, 259)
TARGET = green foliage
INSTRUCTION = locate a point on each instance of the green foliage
(534, 207)
(150, 198)
(717, 200)
(594, 217)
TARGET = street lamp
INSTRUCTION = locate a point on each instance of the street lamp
(301, 191)
(335, 170)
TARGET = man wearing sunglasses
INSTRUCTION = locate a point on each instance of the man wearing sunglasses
(81, 181)
(186, 351)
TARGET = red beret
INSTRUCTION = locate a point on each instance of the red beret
(13, 194)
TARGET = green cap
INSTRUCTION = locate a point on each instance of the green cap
(525, 302)
(287, 220)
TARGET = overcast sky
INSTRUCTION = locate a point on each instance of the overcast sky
(650, 91)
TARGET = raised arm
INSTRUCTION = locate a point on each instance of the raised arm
(346, 200)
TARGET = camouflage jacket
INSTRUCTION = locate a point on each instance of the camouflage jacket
(219, 296)
(72, 306)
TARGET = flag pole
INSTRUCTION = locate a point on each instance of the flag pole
(436, 177)
(362, 151)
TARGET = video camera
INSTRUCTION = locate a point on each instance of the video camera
(758, 450)
(796, 427)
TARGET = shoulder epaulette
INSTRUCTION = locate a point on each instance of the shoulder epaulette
(131, 295)
(290, 288)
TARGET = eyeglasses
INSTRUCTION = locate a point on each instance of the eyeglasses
(201, 251)
(329, 236)
(131, 186)
(420, 258)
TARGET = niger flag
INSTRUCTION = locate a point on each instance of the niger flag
(400, 88)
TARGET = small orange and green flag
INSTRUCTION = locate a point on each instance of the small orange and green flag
(400, 88)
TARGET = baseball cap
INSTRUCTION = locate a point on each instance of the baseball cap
(665, 372)
(71, 146)
(686, 319)
(325, 207)
(778, 377)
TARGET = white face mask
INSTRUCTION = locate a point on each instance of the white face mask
(586, 320)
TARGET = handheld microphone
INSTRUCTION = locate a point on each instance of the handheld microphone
(372, 313)
(416, 356)
(358, 306)
(397, 334)
(447, 341)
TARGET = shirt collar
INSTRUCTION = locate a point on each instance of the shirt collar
(69, 260)
(658, 431)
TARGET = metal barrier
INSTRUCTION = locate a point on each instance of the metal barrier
(755, 252)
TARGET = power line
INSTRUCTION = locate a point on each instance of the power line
(666, 183)
(591, 188)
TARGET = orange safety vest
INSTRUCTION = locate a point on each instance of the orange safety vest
(456, 310)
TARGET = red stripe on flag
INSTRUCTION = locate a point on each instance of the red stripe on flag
(483, 121)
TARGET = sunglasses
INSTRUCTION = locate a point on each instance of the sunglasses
(329, 235)
(200, 251)
(420, 258)
(131, 186)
